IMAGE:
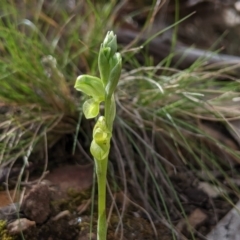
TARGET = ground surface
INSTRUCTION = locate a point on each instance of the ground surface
(55, 210)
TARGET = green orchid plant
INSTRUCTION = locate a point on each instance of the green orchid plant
(102, 90)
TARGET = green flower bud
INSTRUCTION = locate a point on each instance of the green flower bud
(116, 67)
(111, 42)
(99, 152)
(100, 136)
(108, 58)
(103, 64)
(110, 112)
(91, 108)
(101, 125)
(100, 145)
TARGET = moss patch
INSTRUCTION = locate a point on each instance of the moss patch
(4, 235)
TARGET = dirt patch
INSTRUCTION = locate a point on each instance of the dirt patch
(45, 215)
(49, 212)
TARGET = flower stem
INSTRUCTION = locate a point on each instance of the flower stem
(101, 170)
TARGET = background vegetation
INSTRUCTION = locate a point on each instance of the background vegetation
(175, 126)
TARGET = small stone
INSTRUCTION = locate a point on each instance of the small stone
(195, 219)
(20, 225)
(36, 204)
